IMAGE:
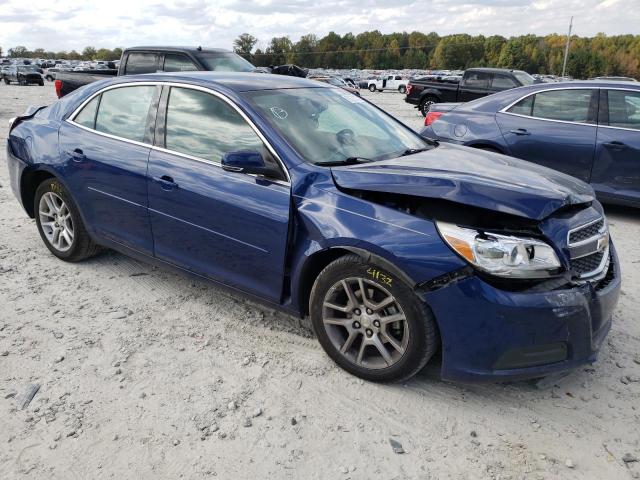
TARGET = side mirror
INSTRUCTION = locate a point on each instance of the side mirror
(248, 161)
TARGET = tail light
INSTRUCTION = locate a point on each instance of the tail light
(58, 85)
(431, 117)
(409, 88)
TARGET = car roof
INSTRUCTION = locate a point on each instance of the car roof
(235, 81)
(493, 70)
(501, 99)
(191, 49)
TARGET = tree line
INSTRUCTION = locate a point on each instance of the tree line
(89, 53)
(588, 56)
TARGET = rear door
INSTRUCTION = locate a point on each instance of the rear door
(616, 170)
(229, 226)
(474, 85)
(555, 128)
(106, 146)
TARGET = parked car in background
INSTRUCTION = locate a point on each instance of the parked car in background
(317, 202)
(23, 75)
(336, 81)
(137, 60)
(387, 82)
(475, 83)
(588, 129)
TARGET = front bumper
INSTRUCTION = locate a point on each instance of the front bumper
(492, 335)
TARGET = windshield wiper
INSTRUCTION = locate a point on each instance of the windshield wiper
(411, 151)
(346, 161)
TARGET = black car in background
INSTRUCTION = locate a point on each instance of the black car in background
(23, 75)
(475, 83)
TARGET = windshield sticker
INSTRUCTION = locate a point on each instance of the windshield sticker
(279, 113)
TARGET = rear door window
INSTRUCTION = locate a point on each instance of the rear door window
(565, 105)
(123, 111)
(141, 62)
(624, 109)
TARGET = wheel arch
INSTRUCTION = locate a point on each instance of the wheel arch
(486, 145)
(317, 261)
(29, 182)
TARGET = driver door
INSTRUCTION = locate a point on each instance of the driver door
(228, 226)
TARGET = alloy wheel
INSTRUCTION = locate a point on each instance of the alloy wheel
(56, 221)
(365, 323)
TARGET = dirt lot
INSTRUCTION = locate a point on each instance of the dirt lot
(149, 374)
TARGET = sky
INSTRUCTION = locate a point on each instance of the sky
(71, 24)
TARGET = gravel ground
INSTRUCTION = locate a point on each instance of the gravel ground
(148, 374)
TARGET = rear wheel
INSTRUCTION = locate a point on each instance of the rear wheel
(59, 223)
(402, 89)
(370, 322)
(7, 81)
(425, 104)
(41, 83)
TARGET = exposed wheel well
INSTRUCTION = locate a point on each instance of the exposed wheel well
(28, 185)
(489, 148)
(312, 269)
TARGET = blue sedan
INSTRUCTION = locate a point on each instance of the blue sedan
(312, 200)
(590, 130)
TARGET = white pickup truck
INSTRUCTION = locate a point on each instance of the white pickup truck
(388, 82)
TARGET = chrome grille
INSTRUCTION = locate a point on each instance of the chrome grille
(589, 249)
(587, 264)
(588, 231)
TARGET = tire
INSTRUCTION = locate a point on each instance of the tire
(7, 81)
(49, 78)
(402, 89)
(425, 104)
(372, 88)
(352, 327)
(81, 246)
(41, 83)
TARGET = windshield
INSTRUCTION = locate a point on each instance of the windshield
(331, 125)
(225, 62)
(524, 78)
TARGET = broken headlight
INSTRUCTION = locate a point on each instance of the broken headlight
(501, 255)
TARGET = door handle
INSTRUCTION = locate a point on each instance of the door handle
(166, 182)
(615, 145)
(77, 155)
(520, 131)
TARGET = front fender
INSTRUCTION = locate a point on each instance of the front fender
(408, 246)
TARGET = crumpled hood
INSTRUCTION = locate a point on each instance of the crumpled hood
(471, 177)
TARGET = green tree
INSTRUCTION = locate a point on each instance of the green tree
(18, 52)
(243, 45)
(89, 53)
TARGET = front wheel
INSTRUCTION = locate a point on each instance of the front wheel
(370, 322)
(59, 223)
(372, 88)
(7, 81)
